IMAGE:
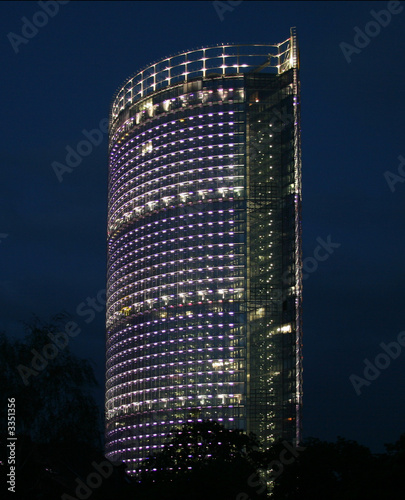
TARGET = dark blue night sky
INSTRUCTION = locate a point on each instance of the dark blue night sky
(53, 234)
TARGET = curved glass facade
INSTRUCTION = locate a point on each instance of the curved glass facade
(204, 284)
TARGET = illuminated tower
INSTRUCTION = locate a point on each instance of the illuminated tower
(204, 248)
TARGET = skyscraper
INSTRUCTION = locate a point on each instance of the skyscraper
(204, 247)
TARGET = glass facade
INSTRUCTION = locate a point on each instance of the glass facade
(204, 248)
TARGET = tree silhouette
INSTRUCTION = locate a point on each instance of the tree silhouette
(204, 460)
(344, 469)
(57, 419)
(54, 404)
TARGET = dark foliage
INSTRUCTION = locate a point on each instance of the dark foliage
(57, 419)
(204, 460)
(55, 403)
(343, 469)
